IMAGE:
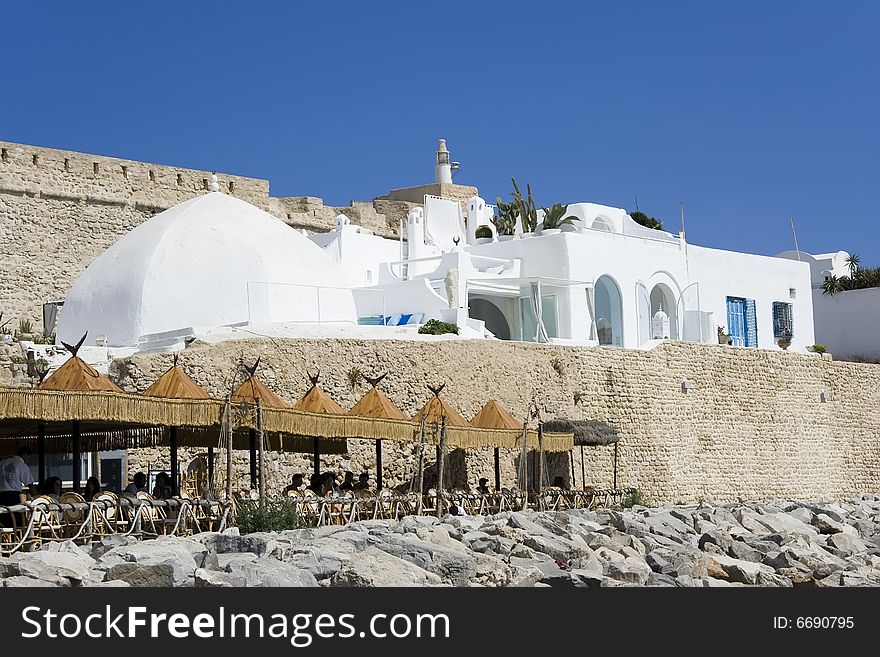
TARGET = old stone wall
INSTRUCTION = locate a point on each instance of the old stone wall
(753, 424)
(59, 210)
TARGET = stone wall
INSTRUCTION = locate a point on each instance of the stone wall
(59, 210)
(752, 425)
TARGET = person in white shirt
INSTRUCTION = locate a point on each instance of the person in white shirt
(15, 475)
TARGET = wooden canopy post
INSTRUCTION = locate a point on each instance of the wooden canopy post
(540, 486)
(615, 467)
(523, 474)
(497, 470)
(77, 457)
(210, 485)
(175, 468)
(262, 453)
(41, 453)
(441, 457)
(378, 465)
(571, 462)
(228, 417)
(420, 475)
(252, 435)
(317, 456)
(583, 472)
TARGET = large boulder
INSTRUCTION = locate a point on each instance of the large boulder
(373, 567)
(454, 566)
(269, 572)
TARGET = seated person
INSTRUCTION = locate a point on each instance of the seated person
(93, 487)
(348, 482)
(363, 482)
(162, 489)
(559, 482)
(296, 484)
(138, 483)
(483, 488)
(51, 487)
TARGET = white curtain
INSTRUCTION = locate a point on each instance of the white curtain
(537, 308)
(591, 307)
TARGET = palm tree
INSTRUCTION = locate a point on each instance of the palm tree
(852, 262)
(832, 285)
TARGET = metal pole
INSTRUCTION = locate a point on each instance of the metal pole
(228, 449)
(41, 453)
(583, 474)
(262, 453)
(317, 455)
(615, 467)
(77, 457)
(540, 486)
(378, 465)
(497, 470)
(175, 468)
(210, 469)
(441, 457)
(252, 435)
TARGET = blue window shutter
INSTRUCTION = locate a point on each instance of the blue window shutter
(751, 324)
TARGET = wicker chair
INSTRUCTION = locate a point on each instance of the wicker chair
(47, 522)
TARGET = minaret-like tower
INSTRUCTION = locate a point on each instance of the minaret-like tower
(443, 168)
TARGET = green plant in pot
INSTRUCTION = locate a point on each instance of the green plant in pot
(483, 234)
(553, 218)
(784, 343)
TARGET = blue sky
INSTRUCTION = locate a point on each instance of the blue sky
(747, 112)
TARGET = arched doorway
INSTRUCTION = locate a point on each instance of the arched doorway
(488, 312)
(663, 298)
(609, 312)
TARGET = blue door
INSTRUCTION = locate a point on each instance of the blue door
(742, 322)
(736, 320)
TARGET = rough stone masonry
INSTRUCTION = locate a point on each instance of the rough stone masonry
(753, 425)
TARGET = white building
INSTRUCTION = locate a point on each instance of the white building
(218, 263)
(845, 322)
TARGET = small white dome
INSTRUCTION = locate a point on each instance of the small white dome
(211, 261)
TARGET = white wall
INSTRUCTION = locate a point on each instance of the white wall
(847, 323)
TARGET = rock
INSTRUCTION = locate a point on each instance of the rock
(631, 570)
(798, 577)
(657, 563)
(454, 566)
(557, 547)
(714, 569)
(551, 571)
(43, 564)
(490, 571)
(151, 551)
(524, 576)
(745, 572)
(803, 514)
(25, 582)
(659, 579)
(587, 578)
(155, 572)
(204, 578)
(373, 567)
(269, 572)
(845, 545)
(588, 563)
(827, 525)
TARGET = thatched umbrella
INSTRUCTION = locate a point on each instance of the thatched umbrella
(250, 392)
(437, 412)
(494, 416)
(74, 374)
(176, 384)
(317, 401)
(587, 432)
(375, 404)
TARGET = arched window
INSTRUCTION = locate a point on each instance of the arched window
(609, 312)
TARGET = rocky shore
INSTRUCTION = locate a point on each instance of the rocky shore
(769, 543)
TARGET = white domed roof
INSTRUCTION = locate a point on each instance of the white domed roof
(211, 261)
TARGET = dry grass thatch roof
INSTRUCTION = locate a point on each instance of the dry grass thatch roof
(494, 416)
(375, 404)
(253, 389)
(318, 401)
(586, 432)
(76, 374)
(176, 384)
(435, 409)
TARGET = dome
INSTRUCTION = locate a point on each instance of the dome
(211, 261)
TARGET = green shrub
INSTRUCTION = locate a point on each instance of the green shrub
(634, 498)
(273, 516)
(436, 327)
(817, 348)
(25, 326)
